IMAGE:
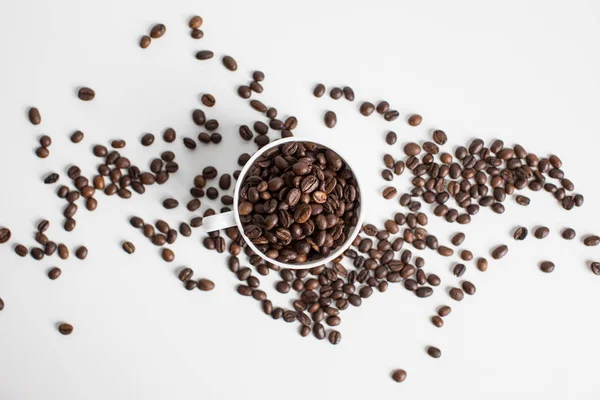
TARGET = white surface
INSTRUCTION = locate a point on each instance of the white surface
(524, 71)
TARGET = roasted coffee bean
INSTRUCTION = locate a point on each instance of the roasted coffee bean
(434, 352)
(145, 41)
(86, 94)
(158, 31)
(21, 250)
(54, 273)
(258, 106)
(541, 232)
(367, 108)
(186, 274)
(195, 22)
(399, 375)
(256, 87)
(412, 149)
(197, 34)
(335, 337)
(522, 200)
(45, 141)
(391, 115)
(208, 100)
(383, 107)
(190, 285)
(63, 251)
(440, 137)
(468, 288)
(204, 55)
(595, 266)
(437, 321)
(42, 152)
(128, 247)
(415, 120)
(456, 294)
(77, 136)
(170, 203)
(335, 93)
(424, 291)
(445, 251)
(41, 238)
(34, 116)
(5, 234)
(520, 233)
(458, 238)
(319, 90)
(459, 270)
(169, 135)
(547, 266)
(568, 234)
(230, 63)
(444, 311)
(65, 329)
(330, 119)
(81, 252)
(591, 240)
(51, 178)
(434, 280)
(389, 192)
(50, 248)
(391, 137)
(206, 285)
(168, 255)
(499, 252)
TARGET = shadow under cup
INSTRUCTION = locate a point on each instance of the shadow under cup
(232, 218)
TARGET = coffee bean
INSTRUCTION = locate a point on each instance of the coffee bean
(444, 311)
(54, 273)
(81, 252)
(391, 137)
(145, 41)
(459, 270)
(169, 135)
(319, 90)
(41, 238)
(256, 87)
(367, 108)
(65, 329)
(520, 233)
(434, 352)
(440, 137)
(5, 235)
(208, 100)
(185, 274)
(595, 266)
(230, 63)
(330, 119)
(424, 291)
(128, 247)
(86, 94)
(157, 31)
(499, 252)
(547, 266)
(568, 234)
(399, 375)
(34, 116)
(389, 192)
(51, 178)
(170, 203)
(335, 93)
(445, 251)
(391, 115)
(190, 285)
(21, 250)
(42, 152)
(541, 232)
(204, 55)
(197, 34)
(591, 240)
(168, 255)
(335, 337)
(77, 137)
(456, 294)
(437, 321)
(458, 238)
(412, 149)
(195, 22)
(415, 120)
(522, 200)
(206, 285)
(319, 331)
(468, 287)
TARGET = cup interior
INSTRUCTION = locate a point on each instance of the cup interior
(308, 264)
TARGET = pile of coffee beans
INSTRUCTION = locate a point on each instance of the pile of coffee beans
(298, 202)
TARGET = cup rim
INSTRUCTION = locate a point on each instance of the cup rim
(238, 222)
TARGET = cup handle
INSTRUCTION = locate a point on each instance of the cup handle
(219, 221)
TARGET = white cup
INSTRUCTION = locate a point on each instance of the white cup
(232, 218)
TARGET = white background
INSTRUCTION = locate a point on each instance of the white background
(524, 71)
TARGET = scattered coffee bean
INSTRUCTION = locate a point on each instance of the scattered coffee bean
(65, 329)
(547, 266)
(444, 311)
(51, 178)
(5, 235)
(499, 252)
(81, 252)
(456, 294)
(54, 273)
(330, 119)
(230, 63)
(145, 41)
(195, 22)
(458, 238)
(21, 250)
(389, 192)
(86, 94)
(128, 247)
(335, 337)
(468, 287)
(197, 34)
(206, 285)
(434, 352)
(204, 55)
(568, 234)
(77, 137)
(595, 266)
(367, 108)
(34, 116)
(541, 232)
(319, 90)
(520, 233)
(157, 31)
(437, 321)
(399, 375)
(170, 203)
(591, 240)
(459, 270)
(168, 255)
(415, 120)
(335, 93)
(169, 135)
(208, 100)
(42, 152)
(391, 115)
(522, 200)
